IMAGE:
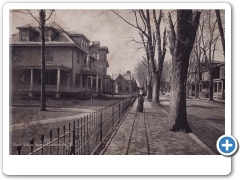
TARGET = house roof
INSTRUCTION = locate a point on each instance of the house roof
(126, 77)
(63, 38)
(77, 34)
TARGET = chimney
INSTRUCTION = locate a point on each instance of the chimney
(96, 43)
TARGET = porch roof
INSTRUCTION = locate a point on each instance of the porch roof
(47, 66)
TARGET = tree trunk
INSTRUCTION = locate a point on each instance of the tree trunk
(210, 85)
(43, 101)
(220, 30)
(181, 44)
(177, 110)
(156, 88)
(149, 90)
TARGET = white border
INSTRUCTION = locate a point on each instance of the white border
(114, 165)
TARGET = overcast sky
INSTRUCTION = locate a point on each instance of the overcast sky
(103, 26)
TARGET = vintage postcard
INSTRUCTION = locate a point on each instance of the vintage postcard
(100, 79)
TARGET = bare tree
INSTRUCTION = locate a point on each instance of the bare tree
(147, 65)
(220, 27)
(197, 56)
(41, 22)
(209, 40)
(152, 38)
(141, 72)
(181, 42)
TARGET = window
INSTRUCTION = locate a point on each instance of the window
(24, 35)
(97, 56)
(47, 35)
(48, 55)
(78, 57)
(15, 55)
(85, 62)
(77, 79)
(220, 87)
(94, 55)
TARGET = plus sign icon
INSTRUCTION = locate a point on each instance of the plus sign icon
(227, 145)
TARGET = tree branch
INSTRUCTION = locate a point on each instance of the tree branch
(50, 15)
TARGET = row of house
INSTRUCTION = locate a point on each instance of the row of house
(218, 69)
(72, 63)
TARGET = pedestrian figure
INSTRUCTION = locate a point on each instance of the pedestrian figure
(92, 96)
(141, 96)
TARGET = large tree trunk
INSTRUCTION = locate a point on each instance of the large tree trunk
(210, 85)
(177, 110)
(181, 45)
(43, 101)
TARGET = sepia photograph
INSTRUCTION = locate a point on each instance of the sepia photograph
(116, 81)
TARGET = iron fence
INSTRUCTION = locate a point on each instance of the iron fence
(83, 136)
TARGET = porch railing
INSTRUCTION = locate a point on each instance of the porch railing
(51, 88)
(82, 136)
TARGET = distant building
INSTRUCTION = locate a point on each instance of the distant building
(218, 80)
(124, 83)
(71, 63)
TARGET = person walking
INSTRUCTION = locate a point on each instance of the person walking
(141, 96)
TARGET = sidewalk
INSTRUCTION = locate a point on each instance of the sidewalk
(147, 133)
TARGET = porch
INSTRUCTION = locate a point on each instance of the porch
(218, 89)
(56, 81)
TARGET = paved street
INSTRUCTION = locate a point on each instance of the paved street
(147, 133)
(207, 119)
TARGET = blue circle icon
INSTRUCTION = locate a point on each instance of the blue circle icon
(227, 145)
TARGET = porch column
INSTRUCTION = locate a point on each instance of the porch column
(91, 81)
(81, 80)
(101, 84)
(96, 83)
(31, 84)
(223, 91)
(58, 83)
(68, 81)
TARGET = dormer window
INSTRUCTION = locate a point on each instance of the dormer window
(47, 35)
(24, 35)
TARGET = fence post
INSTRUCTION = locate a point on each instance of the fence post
(84, 133)
(100, 126)
(119, 110)
(81, 138)
(42, 139)
(87, 126)
(31, 143)
(64, 140)
(73, 145)
(19, 149)
(58, 129)
(113, 116)
(50, 133)
(78, 138)
(69, 138)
